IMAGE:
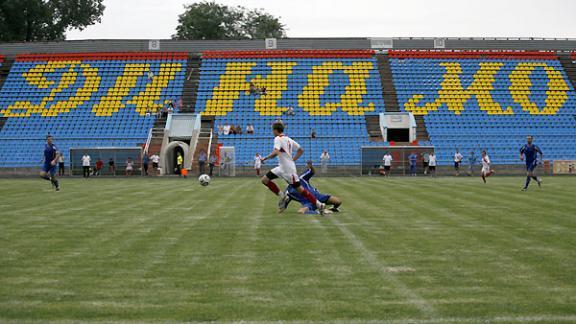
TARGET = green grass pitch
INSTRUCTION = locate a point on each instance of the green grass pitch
(403, 250)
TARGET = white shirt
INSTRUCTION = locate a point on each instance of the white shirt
(486, 161)
(226, 129)
(286, 146)
(387, 160)
(155, 158)
(86, 160)
(60, 159)
(432, 160)
(458, 157)
(257, 162)
(325, 156)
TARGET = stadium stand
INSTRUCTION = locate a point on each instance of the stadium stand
(84, 100)
(475, 100)
(330, 92)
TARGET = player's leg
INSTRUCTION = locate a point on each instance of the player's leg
(533, 174)
(308, 195)
(267, 180)
(53, 178)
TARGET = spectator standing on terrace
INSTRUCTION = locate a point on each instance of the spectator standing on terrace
(263, 91)
(471, 162)
(202, 161)
(425, 161)
(257, 163)
(145, 161)
(232, 130)
(98, 168)
(129, 167)
(155, 163)
(238, 129)
(226, 129)
(387, 159)
(213, 160)
(112, 166)
(432, 164)
(253, 89)
(220, 130)
(150, 75)
(324, 159)
(86, 162)
(458, 161)
(250, 129)
(413, 158)
(289, 111)
(61, 168)
(148, 112)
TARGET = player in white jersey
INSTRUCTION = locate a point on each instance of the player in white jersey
(486, 171)
(284, 147)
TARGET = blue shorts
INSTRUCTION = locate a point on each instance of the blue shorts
(49, 168)
(531, 166)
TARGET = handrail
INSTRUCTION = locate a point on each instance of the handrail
(210, 143)
(148, 141)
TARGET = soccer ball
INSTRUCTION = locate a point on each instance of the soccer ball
(204, 180)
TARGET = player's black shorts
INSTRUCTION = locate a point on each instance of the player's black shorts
(387, 167)
(425, 164)
(457, 165)
(155, 165)
(432, 168)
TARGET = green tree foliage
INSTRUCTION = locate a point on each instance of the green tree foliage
(209, 20)
(46, 20)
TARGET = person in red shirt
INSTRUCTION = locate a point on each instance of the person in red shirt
(99, 166)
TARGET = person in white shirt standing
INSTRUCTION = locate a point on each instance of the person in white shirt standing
(486, 171)
(432, 162)
(324, 159)
(257, 163)
(458, 161)
(387, 160)
(284, 147)
(155, 163)
(86, 161)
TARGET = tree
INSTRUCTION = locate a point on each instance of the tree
(210, 20)
(46, 20)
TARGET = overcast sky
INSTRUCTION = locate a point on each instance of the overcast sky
(157, 19)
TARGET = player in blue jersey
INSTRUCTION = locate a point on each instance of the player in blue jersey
(307, 207)
(49, 167)
(529, 153)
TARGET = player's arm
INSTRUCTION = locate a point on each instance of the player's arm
(308, 174)
(299, 151)
(539, 151)
(56, 157)
(271, 155)
(522, 154)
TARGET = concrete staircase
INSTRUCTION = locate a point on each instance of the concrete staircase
(388, 90)
(190, 91)
(569, 67)
(373, 128)
(5, 70)
(206, 133)
(421, 131)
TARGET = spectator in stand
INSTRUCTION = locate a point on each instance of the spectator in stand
(472, 159)
(150, 74)
(129, 167)
(324, 159)
(257, 163)
(250, 129)
(112, 166)
(165, 112)
(313, 134)
(61, 168)
(145, 161)
(432, 164)
(86, 162)
(253, 89)
(179, 164)
(413, 158)
(226, 130)
(232, 130)
(458, 161)
(202, 161)
(99, 166)
(148, 112)
(289, 111)
(238, 129)
(220, 129)
(155, 163)
(212, 164)
(263, 91)
(426, 160)
(387, 159)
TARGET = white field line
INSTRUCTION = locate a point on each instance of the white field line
(384, 271)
